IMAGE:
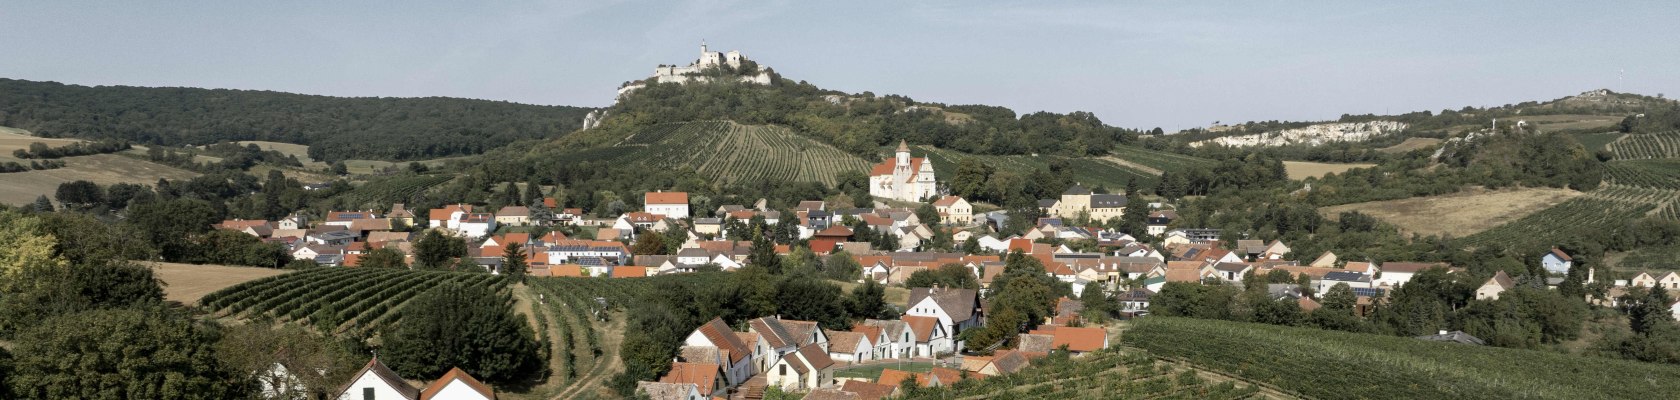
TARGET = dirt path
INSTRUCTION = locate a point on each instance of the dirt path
(525, 302)
(594, 381)
(1128, 164)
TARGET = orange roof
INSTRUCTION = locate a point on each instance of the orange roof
(572, 270)
(456, 374)
(1076, 339)
(870, 391)
(666, 198)
(550, 203)
(873, 332)
(626, 271)
(891, 376)
(353, 260)
(883, 168)
(836, 231)
(554, 236)
(946, 201)
(703, 375)
(442, 214)
(1024, 245)
(922, 325)
(947, 376)
(239, 224)
(1184, 271)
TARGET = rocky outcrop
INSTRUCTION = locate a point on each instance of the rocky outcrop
(1311, 135)
(594, 119)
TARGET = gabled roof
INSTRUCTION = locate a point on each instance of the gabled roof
(1406, 267)
(1009, 362)
(814, 354)
(845, 342)
(1560, 254)
(1076, 339)
(830, 394)
(893, 328)
(702, 375)
(721, 336)
(1500, 278)
(514, 211)
(454, 375)
(1077, 190)
(868, 390)
(666, 391)
(773, 332)
(442, 214)
(946, 376)
(835, 231)
(1035, 342)
(385, 374)
(1108, 200)
(959, 303)
(666, 198)
(923, 326)
(894, 377)
(946, 201)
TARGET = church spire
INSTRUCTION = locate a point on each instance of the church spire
(903, 146)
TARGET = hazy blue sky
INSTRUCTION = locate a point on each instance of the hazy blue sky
(1146, 65)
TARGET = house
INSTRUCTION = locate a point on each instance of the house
(1326, 260)
(956, 309)
(1499, 283)
(825, 241)
(869, 390)
(1670, 280)
(1077, 340)
(891, 376)
(897, 339)
(851, 347)
(669, 204)
(831, 394)
(1157, 221)
(375, 381)
(902, 177)
(805, 369)
(735, 356)
(475, 225)
(1354, 280)
(255, 227)
(457, 385)
(707, 377)
(931, 337)
(1134, 301)
(337, 237)
(1232, 271)
(1003, 362)
(669, 391)
(784, 336)
(447, 216)
(1398, 273)
(400, 214)
(293, 221)
(513, 216)
(1556, 262)
(954, 210)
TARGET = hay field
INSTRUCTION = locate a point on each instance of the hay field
(20, 188)
(187, 283)
(1458, 214)
(12, 139)
(1299, 170)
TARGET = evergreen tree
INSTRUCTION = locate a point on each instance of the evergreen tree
(466, 326)
(513, 262)
(42, 204)
(868, 300)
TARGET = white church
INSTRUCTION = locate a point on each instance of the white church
(692, 72)
(902, 177)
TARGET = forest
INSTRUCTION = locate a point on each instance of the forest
(335, 128)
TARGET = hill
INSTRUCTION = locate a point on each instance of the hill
(723, 152)
(336, 128)
(20, 188)
(1337, 365)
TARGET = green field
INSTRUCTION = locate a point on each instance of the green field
(1086, 171)
(1657, 173)
(1595, 212)
(341, 300)
(1597, 141)
(730, 153)
(1644, 146)
(873, 371)
(584, 343)
(1650, 258)
(1107, 374)
(1339, 365)
(1160, 160)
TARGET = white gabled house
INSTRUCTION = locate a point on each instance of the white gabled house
(804, 369)
(896, 337)
(735, 353)
(956, 309)
(851, 347)
(931, 337)
(376, 382)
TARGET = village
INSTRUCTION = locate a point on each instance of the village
(769, 352)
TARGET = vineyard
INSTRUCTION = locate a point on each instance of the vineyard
(1334, 365)
(1659, 174)
(356, 301)
(383, 192)
(1160, 160)
(1602, 210)
(1086, 171)
(735, 153)
(579, 312)
(1108, 374)
(1644, 146)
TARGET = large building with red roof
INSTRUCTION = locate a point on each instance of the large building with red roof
(902, 177)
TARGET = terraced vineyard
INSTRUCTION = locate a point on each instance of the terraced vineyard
(1160, 160)
(383, 192)
(735, 153)
(1658, 174)
(1599, 211)
(1108, 374)
(1339, 365)
(580, 309)
(1644, 146)
(1086, 171)
(337, 300)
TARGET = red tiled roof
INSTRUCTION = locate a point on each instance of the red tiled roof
(703, 375)
(666, 198)
(922, 325)
(1076, 339)
(456, 374)
(893, 377)
(626, 271)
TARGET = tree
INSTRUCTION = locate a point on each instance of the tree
(763, 255)
(467, 326)
(171, 225)
(148, 352)
(1097, 305)
(41, 291)
(384, 257)
(319, 363)
(868, 300)
(434, 250)
(42, 205)
(649, 242)
(513, 262)
(809, 299)
(842, 267)
(338, 168)
(80, 194)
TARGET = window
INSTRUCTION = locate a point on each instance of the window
(783, 369)
(367, 393)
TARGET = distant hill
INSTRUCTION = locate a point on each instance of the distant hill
(335, 128)
(725, 152)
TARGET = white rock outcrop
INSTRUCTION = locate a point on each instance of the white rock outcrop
(1312, 135)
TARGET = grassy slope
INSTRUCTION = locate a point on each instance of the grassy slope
(1333, 365)
(1086, 171)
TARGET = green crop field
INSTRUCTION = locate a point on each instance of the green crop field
(1160, 160)
(1340, 365)
(1086, 171)
(1597, 141)
(336, 300)
(381, 192)
(1107, 374)
(732, 153)
(1658, 173)
(1598, 211)
(1643, 146)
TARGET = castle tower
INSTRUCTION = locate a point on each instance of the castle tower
(903, 154)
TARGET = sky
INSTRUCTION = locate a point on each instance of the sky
(1135, 65)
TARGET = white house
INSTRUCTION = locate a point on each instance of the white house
(784, 336)
(851, 347)
(457, 385)
(1398, 273)
(376, 382)
(1557, 262)
(475, 225)
(668, 204)
(732, 350)
(954, 210)
(670, 391)
(956, 309)
(896, 340)
(805, 369)
(1499, 283)
(931, 337)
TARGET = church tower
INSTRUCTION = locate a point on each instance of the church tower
(903, 154)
